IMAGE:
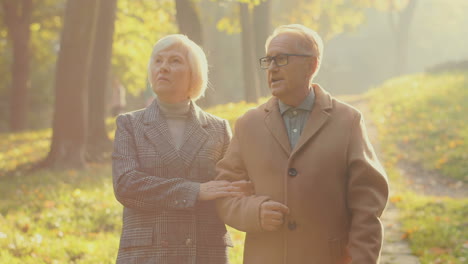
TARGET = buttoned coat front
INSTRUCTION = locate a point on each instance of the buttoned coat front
(332, 183)
(158, 186)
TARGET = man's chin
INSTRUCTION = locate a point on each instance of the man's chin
(276, 91)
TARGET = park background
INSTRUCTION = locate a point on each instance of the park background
(404, 63)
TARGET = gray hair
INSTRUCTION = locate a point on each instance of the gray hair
(310, 40)
(195, 56)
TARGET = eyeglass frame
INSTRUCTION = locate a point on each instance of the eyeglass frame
(273, 58)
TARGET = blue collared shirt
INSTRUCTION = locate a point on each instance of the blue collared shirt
(295, 118)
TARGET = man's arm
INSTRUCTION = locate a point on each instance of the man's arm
(367, 196)
(242, 213)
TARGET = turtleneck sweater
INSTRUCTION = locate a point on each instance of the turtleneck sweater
(176, 116)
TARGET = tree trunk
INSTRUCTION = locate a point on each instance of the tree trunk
(71, 86)
(248, 56)
(99, 81)
(18, 19)
(401, 31)
(188, 20)
(262, 22)
(190, 25)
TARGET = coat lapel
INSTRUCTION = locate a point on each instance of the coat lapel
(317, 118)
(275, 124)
(157, 131)
(195, 135)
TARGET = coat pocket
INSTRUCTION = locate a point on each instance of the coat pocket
(137, 237)
(218, 241)
(215, 234)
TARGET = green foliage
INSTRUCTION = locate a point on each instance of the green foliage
(20, 151)
(436, 227)
(59, 217)
(66, 217)
(138, 26)
(418, 118)
(45, 27)
(231, 111)
(327, 17)
(425, 116)
(237, 252)
(229, 24)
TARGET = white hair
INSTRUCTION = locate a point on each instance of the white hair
(196, 59)
(310, 40)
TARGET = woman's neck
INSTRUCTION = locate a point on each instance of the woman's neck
(174, 109)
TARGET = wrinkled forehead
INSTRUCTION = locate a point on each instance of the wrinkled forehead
(173, 49)
(288, 42)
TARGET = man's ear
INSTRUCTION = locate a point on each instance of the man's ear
(313, 65)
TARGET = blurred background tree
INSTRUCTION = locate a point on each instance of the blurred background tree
(98, 141)
(70, 119)
(17, 17)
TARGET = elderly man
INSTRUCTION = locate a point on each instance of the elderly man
(319, 187)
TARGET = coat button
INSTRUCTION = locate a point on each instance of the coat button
(292, 225)
(292, 172)
(188, 242)
(164, 244)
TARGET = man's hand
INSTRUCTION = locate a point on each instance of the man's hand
(272, 215)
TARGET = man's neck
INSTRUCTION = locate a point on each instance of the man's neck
(296, 99)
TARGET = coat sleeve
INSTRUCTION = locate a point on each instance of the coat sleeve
(367, 196)
(242, 213)
(138, 190)
(227, 136)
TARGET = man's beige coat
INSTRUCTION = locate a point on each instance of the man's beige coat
(331, 181)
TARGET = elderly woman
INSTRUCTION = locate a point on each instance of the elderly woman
(164, 165)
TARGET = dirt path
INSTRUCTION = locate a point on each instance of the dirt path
(395, 249)
(430, 182)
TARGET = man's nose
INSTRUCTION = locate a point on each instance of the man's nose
(273, 65)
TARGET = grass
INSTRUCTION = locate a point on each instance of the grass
(421, 118)
(59, 217)
(66, 216)
(19, 151)
(425, 116)
(73, 217)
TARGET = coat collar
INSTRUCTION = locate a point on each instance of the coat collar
(152, 113)
(318, 117)
(157, 131)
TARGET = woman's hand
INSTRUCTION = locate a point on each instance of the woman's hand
(246, 187)
(217, 189)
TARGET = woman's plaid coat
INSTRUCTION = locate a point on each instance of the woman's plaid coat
(158, 186)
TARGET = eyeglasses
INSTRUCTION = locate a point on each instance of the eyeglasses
(280, 60)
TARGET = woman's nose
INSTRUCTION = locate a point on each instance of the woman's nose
(164, 66)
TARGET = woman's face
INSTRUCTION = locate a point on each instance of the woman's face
(170, 75)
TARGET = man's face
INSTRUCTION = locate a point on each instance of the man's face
(290, 82)
(170, 75)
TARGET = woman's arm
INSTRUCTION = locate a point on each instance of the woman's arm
(138, 190)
